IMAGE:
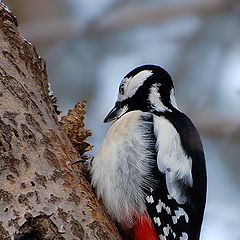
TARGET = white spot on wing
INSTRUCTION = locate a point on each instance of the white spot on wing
(150, 199)
(184, 236)
(174, 219)
(178, 213)
(168, 210)
(161, 205)
(166, 230)
(162, 237)
(169, 197)
(157, 221)
(171, 158)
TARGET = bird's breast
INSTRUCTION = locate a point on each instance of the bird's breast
(122, 166)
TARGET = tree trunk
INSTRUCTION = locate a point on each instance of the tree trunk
(42, 195)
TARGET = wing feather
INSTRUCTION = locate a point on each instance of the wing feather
(177, 203)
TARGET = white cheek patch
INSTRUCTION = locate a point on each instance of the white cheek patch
(155, 98)
(133, 83)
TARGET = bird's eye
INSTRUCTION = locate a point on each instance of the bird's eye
(121, 89)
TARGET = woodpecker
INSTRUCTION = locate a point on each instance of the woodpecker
(150, 168)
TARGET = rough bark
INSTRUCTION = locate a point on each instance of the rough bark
(42, 195)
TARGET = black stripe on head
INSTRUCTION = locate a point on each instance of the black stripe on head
(159, 77)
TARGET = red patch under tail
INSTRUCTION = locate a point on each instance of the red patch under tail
(143, 230)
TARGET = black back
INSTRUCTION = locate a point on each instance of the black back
(196, 194)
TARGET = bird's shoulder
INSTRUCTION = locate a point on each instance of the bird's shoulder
(188, 134)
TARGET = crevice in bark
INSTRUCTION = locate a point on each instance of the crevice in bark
(38, 228)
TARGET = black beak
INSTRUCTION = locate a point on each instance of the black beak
(115, 113)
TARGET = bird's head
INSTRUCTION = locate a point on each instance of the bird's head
(148, 88)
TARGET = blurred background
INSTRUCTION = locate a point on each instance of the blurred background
(89, 45)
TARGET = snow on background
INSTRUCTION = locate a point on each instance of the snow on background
(89, 45)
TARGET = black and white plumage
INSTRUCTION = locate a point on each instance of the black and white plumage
(151, 162)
